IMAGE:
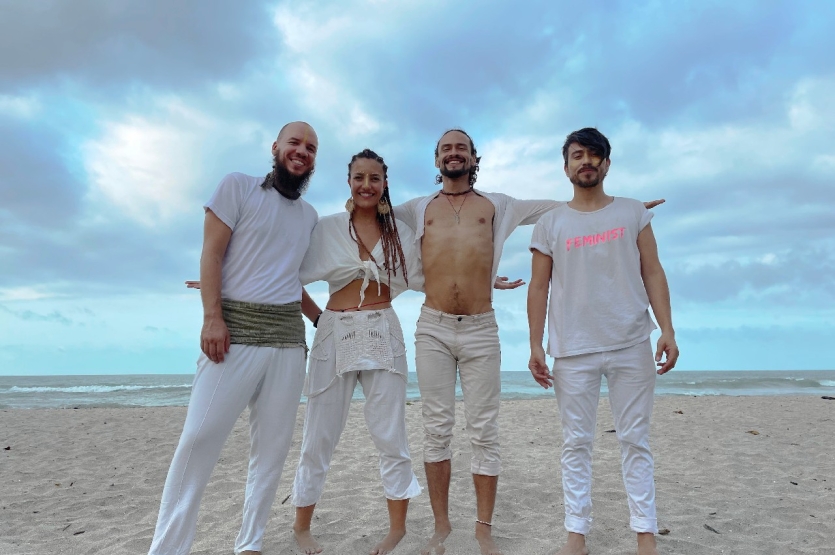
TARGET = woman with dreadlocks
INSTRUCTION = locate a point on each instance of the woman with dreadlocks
(358, 339)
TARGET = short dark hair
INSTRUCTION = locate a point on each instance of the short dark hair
(590, 138)
(474, 169)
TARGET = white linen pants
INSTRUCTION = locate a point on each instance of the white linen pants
(630, 375)
(270, 381)
(446, 346)
(385, 417)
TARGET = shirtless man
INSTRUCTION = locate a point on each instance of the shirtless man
(460, 232)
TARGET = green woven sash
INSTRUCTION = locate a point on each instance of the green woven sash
(264, 325)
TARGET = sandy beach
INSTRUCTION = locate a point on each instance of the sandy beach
(746, 475)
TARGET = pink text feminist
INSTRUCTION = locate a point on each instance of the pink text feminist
(596, 239)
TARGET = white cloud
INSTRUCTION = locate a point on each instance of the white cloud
(728, 149)
(303, 30)
(331, 102)
(229, 92)
(149, 166)
(330, 28)
(811, 105)
(769, 258)
(23, 294)
(317, 36)
(25, 107)
(523, 166)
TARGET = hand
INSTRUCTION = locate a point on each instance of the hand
(503, 283)
(539, 368)
(653, 203)
(666, 345)
(214, 339)
(193, 284)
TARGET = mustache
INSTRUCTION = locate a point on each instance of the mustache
(454, 157)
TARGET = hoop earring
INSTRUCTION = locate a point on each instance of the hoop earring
(349, 205)
(383, 207)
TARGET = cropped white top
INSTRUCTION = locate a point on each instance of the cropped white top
(333, 256)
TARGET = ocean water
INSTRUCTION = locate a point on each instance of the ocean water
(159, 390)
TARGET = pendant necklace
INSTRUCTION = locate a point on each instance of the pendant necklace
(454, 211)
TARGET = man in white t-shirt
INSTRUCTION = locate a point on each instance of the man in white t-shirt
(599, 255)
(256, 232)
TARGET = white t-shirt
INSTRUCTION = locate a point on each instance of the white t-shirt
(598, 301)
(270, 235)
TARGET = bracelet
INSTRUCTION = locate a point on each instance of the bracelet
(316, 321)
(484, 523)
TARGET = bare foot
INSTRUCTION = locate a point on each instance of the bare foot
(484, 536)
(575, 545)
(389, 542)
(646, 544)
(435, 545)
(307, 543)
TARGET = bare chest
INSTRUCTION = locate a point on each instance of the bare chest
(459, 224)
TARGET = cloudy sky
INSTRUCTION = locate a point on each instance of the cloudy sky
(118, 119)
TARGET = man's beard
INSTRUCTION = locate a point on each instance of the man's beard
(577, 180)
(289, 185)
(586, 184)
(455, 174)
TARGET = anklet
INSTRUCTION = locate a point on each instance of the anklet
(484, 523)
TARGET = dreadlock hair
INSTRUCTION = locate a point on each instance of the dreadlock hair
(392, 249)
(474, 170)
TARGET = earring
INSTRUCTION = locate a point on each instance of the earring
(349, 205)
(383, 207)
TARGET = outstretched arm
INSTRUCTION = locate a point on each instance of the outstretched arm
(529, 211)
(537, 308)
(214, 337)
(655, 283)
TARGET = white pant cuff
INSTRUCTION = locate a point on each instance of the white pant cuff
(305, 500)
(577, 525)
(239, 550)
(643, 525)
(484, 468)
(413, 491)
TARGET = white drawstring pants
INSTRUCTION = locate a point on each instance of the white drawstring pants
(385, 418)
(630, 376)
(269, 380)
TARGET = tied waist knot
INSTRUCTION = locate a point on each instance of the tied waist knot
(264, 325)
(369, 270)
